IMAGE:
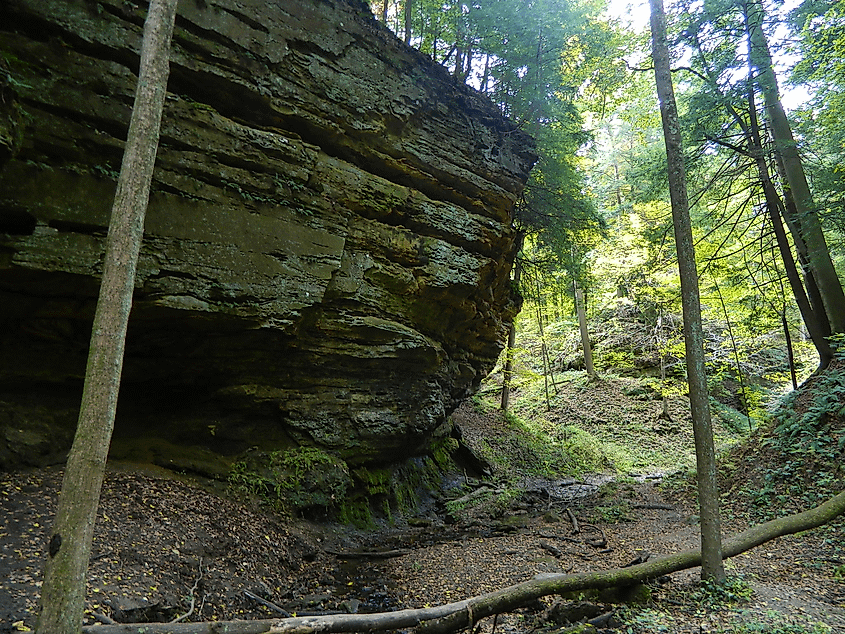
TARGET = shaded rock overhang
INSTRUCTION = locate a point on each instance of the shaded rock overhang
(327, 247)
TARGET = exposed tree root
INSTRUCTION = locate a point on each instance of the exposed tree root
(455, 616)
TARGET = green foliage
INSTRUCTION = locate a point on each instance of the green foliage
(774, 624)
(615, 359)
(105, 171)
(312, 482)
(654, 621)
(356, 512)
(820, 29)
(805, 443)
(299, 479)
(587, 454)
(736, 421)
(734, 591)
(615, 513)
(647, 620)
(810, 431)
(299, 462)
(377, 481)
(244, 479)
(724, 599)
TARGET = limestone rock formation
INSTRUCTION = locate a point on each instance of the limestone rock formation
(328, 243)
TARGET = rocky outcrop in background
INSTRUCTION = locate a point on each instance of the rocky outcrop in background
(328, 243)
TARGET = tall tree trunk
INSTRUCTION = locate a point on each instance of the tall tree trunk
(795, 180)
(585, 333)
(409, 9)
(65, 573)
(813, 313)
(507, 372)
(459, 61)
(789, 352)
(543, 349)
(468, 59)
(743, 390)
(384, 8)
(708, 493)
(618, 189)
(485, 76)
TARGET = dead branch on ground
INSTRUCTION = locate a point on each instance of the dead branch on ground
(190, 611)
(574, 520)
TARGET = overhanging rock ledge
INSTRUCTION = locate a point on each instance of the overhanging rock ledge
(328, 243)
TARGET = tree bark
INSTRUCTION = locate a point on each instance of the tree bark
(409, 9)
(65, 573)
(708, 492)
(814, 316)
(795, 179)
(507, 371)
(456, 616)
(790, 354)
(585, 333)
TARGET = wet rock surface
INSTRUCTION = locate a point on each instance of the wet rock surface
(327, 246)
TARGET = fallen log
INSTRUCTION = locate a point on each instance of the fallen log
(456, 616)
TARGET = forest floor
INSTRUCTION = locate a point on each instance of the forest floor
(166, 546)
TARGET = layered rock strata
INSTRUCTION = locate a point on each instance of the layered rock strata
(328, 242)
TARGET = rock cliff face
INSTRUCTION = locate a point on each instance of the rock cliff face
(327, 247)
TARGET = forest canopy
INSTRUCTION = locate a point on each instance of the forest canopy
(767, 186)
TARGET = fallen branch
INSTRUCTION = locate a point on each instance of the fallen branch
(102, 618)
(573, 519)
(455, 616)
(368, 554)
(262, 626)
(190, 611)
(551, 549)
(596, 542)
(266, 603)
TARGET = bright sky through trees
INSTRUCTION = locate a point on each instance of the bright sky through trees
(635, 14)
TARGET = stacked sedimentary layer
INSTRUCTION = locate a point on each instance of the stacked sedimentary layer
(328, 241)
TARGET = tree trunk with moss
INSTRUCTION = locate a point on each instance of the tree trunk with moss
(705, 453)
(66, 569)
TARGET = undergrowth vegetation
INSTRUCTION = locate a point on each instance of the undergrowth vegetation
(632, 417)
(778, 454)
(613, 424)
(721, 609)
(796, 459)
